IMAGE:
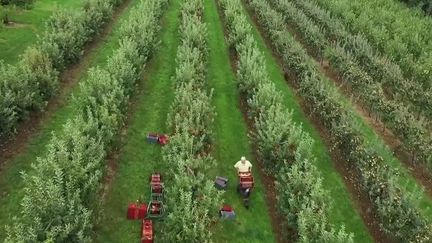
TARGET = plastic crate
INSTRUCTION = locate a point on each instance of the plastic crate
(133, 211)
(221, 183)
(147, 231)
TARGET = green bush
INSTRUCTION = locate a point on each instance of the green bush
(15, 98)
(96, 14)
(64, 37)
(41, 73)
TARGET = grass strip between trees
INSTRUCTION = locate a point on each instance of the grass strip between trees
(231, 142)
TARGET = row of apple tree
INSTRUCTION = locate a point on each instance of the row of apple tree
(62, 188)
(192, 199)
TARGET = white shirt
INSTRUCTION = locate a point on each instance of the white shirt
(243, 167)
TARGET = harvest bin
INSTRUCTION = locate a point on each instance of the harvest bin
(136, 211)
(147, 231)
(133, 211)
(142, 211)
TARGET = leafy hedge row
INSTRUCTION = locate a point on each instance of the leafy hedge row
(29, 84)
(192, 199)
(62, 188)
(282, 145)
(396, 210)
(401, 34)
(417, 139)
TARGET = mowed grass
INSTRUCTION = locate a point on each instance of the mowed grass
(231, 142)
(139, 159)
(344, 211)
(29, 23)
(11, 184)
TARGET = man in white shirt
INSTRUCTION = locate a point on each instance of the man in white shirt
(243, 166)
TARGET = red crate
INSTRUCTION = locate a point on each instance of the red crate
(156, 177)
(163, 139)
(142, 211)
(133, 211)
(227, 208)
(147, 231)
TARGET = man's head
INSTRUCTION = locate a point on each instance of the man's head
(243, 159)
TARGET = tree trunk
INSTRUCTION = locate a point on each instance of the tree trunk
(5, 19)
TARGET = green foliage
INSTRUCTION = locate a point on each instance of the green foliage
(377, 179)
(192, 199)
(64, 38)
(366, 72)
(40, 71)
(282, 145)
(96, 14)
(15, 101)
(402, 35)
(28, 85)
(19, 3)
(62, 189)
(5, 12)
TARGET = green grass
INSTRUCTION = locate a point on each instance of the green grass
(14, 40)
(405, 179)
(231, 142)
(343, 211)
(138, 159)
(11, 184)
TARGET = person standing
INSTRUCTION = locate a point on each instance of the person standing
(243, 165)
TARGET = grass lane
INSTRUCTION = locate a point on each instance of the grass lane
(231, 142)
(343, 211)
(29, 23)
(11, 184)
(138, 159)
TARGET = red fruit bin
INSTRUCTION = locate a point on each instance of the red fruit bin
(163, 139)
(133, 211)
(142, 211)
(147, 231)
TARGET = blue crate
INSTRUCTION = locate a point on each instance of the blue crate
(152, 138)
(227, 214)
(221, 183)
